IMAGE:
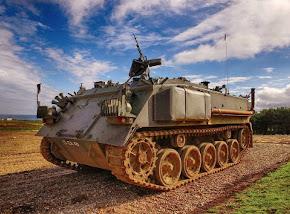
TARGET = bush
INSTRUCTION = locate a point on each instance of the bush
(272, 121)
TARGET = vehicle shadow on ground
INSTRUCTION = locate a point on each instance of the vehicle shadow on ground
(55, 189)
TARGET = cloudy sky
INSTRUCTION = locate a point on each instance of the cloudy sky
(62, 43)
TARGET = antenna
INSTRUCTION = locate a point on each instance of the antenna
(138, 48)
(226, 67)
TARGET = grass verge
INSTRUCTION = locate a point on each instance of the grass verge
(271, 194)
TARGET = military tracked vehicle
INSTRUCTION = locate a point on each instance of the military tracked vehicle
(155, 133)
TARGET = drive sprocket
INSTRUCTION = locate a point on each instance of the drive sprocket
(140, 158)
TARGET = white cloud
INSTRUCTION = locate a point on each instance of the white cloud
(167, 62)
(84, 68)
(24, 5)
(269, 69)
(229, 80)
(120, 37)
(18, 79)
(215, 80)
(21, 25)
(252, 27)
(268, 97)
(197, 78)
(265, 77)
(79, 11)
(237, 79)
(145, 8)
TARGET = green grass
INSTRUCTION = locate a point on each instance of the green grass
(271, 194)
(16, 125)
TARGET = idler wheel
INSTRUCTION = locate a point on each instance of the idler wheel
(244, 137)
(221, 152)
(141, 156)
(191, 161)
(178, 141)
(168, 167)
(208, 156)
(234, 150)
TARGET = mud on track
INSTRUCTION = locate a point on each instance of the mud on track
(56, 190)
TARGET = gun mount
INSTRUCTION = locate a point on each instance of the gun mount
(140, 66)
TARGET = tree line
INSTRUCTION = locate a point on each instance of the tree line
(272, 121)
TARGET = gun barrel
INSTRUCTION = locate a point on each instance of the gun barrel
(154, 62)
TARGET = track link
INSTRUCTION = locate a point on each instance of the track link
(116, 157)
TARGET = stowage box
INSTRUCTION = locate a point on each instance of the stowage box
(178, 104)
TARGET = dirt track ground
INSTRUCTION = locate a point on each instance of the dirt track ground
(45, 188)
(19, 151)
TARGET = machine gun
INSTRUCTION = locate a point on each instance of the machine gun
(140, 66)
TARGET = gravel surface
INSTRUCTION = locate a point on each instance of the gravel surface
(57, 190)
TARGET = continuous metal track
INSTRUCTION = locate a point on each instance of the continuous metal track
(45, 149)
(116, 156)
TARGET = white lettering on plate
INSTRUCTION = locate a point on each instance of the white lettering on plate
(70, 143)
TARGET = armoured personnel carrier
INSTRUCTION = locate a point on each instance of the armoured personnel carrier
(154, 133)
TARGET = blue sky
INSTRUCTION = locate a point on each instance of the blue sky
(63, 43)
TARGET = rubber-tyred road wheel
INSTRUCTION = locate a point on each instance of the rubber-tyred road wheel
(244, 137)
(221, 152)
(234, 150)
(208, 156)
(168, 167)
(191, 161)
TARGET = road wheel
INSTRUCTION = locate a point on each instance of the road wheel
(234, 150)
(168, 167)
(208, 156)
(221, 152)
(191, 161)
(244, 137)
